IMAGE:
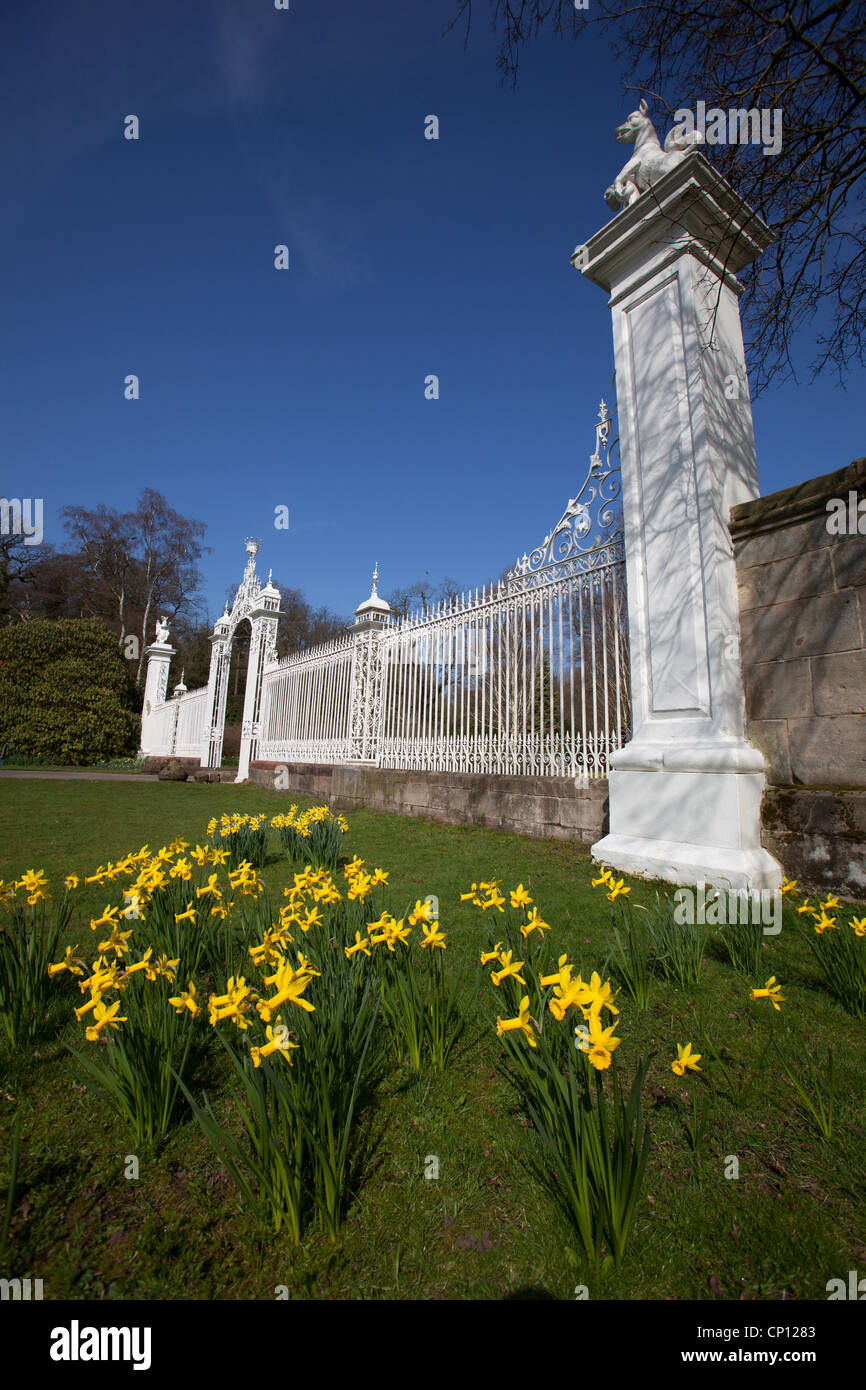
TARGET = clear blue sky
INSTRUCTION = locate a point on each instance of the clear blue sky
(305, 388)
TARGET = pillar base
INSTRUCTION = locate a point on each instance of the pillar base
(688, 828)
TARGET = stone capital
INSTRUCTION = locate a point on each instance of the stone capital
(691, 209)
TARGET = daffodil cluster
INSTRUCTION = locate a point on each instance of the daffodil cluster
(614, 888)
(487, 895)
(315, 835)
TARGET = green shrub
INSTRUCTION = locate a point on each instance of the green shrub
(66, 692)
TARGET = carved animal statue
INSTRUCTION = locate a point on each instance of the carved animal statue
(649, 160)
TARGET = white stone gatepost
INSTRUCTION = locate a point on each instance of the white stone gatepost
(217, 690)
(263, 615)
(685, 792)
(372, 617)
(158, 656)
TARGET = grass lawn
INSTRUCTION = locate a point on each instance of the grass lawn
(794, 1218)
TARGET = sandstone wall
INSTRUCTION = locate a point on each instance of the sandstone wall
(803, 647)
(545, 807)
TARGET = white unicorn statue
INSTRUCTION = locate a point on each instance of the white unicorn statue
(649, 160)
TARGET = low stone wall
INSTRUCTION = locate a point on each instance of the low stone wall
(158, 763)
(802, 592)
(557, 808)
(819, 837)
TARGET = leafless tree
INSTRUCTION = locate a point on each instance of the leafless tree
(804, 58)
(138, 565)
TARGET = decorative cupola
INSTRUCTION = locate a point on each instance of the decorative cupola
(374, 612)
(268, 596)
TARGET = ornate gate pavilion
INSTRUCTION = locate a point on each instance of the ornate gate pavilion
(527, 675)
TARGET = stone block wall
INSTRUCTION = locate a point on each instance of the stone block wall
(556, 808)
(802, 591)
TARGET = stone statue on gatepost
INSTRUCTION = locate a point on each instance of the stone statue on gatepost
(158, 658)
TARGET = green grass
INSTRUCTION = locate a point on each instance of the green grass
(793, 1219)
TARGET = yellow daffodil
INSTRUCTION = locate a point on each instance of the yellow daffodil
(505, 1025)
(570, 995)
(534, 923)
(186, 1000)
(617, 890)
(599, 996)
(433, 936)
(290, 985)
(108, 918)
(788, 887)
(74, 964)
(509, 967)
(829, 901)
(210, 887)
(494, 899)
(362, 943)
(488, 956)
(771, 991)
(71, 882)
(858, 926)
(105, 1016)
(166, 967)
(233, 1004)
(520, 897)
(187, 916)
(117, 942)
(360, 887)
(420, 913)
(278, 1041)
(824, 923)
(145, 965)
(605, 878)
(685, 1058)
(560, 977)
(597, 1042)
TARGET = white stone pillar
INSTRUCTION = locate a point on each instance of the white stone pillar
(685, 792)
(372, 617)
(158, 657)
(217, 689)
(264, 619)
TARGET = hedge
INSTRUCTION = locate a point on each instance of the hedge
(66, 692)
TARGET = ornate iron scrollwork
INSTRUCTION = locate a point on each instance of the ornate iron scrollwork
(589, 533)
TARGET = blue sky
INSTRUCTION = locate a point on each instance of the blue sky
(305, 388)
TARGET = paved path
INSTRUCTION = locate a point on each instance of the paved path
(70, 776)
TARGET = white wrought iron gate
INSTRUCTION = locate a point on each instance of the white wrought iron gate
(528, 675)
